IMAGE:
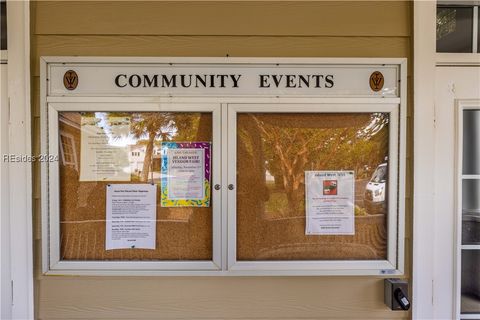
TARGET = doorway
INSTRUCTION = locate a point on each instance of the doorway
(457, 217)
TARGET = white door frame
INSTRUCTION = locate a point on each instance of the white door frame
(19, 189)
(456, 88)
(425, 278)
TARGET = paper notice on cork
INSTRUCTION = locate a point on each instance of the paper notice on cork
(131, 216)
(101, 159)
(330, 202)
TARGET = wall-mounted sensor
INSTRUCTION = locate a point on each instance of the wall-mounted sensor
(396, 294)
(401, 299)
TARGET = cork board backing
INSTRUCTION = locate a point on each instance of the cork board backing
(181, 233)
(273, 151)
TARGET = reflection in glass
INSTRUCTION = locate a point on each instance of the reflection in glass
(3, 25)
(471, 141)
(471, 196)
(471, 211)
(182, 233)
(454, 29)
(470, 228)
(273, 153)
(470, 300)
(471, 187)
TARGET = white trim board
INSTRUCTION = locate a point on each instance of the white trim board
(424, 160)
(5, 280)
(19, 143)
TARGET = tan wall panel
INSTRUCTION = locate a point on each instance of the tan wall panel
(237, 29)
(207, 46)
(335, 18)
(35, 87)
(214, 298)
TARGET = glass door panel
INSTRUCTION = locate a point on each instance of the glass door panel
(470, 282)
(470, 215)
(471, 142)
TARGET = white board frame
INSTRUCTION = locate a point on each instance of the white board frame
(395, 218)
(19, 302)
(51, 171)
(222, 266)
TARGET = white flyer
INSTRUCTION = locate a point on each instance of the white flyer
(330, 202)
(131, 216)
(100, 158)
(185, 174)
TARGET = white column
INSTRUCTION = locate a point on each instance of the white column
(19, 143)
(424, 150)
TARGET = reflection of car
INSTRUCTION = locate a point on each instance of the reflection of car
(375, 192)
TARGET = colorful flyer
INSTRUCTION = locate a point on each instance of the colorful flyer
(101, 159)
(330, 202)
(185, 174)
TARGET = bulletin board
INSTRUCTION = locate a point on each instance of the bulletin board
(273, 153)
(267, 123)
(182, 233)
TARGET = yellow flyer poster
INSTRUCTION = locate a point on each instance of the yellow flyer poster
(185, 174)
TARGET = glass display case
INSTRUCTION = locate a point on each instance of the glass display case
(165, 168)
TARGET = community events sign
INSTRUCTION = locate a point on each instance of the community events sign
(223, 79)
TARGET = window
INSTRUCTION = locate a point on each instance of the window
(457, 28)
(67, 150)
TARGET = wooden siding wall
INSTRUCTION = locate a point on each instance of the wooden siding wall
(236, 29)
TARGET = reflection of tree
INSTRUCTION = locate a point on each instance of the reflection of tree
(446, 21)
(292, 148)
(154, 125)
(186, 126)
(161, 126)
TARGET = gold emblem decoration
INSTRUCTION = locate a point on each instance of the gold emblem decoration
(70, 80)
(376, 81)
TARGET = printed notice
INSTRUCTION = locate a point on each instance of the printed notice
(101, 159)
(185, 174)
(131, 216)
(329, 197)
